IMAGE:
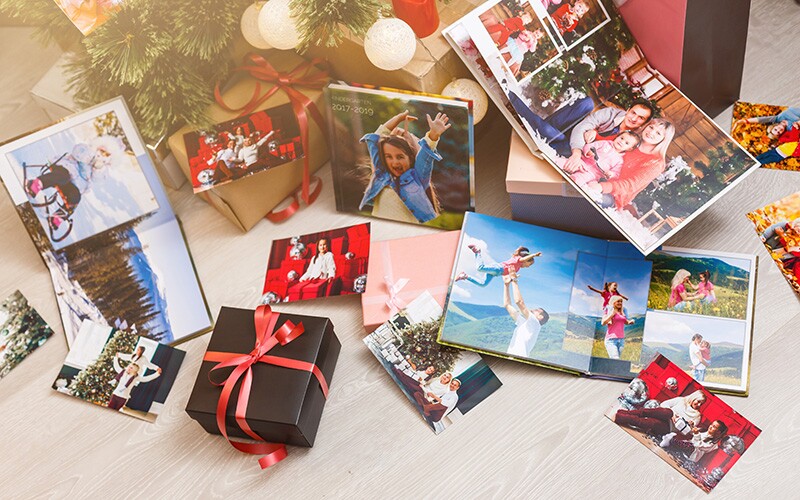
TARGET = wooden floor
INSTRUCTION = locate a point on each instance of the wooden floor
(542, 435)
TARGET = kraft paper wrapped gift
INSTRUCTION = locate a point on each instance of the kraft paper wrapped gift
(418, 264)
(246, 201)
(541, 196)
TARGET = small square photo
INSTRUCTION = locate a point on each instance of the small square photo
(323, 264)
(120, 370)
(770, 133)
(22, 330)
(680, 421)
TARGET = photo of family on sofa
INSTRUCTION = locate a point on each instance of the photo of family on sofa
(443, 383)
(323, 264)
(244, 146)
(684, 424)
(637, 148)
(770, 133)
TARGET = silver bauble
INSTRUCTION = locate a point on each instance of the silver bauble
(360, 284)
(671, 384)
(292, 275)
(651, 403)
(270, 298)
(298, 251)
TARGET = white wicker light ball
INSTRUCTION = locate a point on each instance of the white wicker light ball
(276, 25)
(390, 44)
(250, 29)
(465, 88)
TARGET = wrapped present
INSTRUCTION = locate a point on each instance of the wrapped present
(541, 196)
(262, 84)
(678, 40)
(434, 65)
(395, 280)
(265, 377)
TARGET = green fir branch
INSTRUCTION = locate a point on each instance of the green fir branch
(323, 22)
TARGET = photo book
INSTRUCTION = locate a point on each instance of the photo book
(245, 146)
(401, 155)
(22, 331)
(778, 226)
(443, 383)
(323, 264)
(120, 370)
(676, 417)
(770, 133)
(91, 201)
(574, 84)
(599, 308)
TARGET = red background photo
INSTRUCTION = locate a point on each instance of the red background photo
(352, 239)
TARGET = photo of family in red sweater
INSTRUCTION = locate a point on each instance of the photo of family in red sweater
(684, 424)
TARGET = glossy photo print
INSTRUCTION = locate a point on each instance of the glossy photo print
(119, 370)
(778, 226)
(22, 331)
(770, 133)
(443, 383)
(245, 146)
(680, 421)
(401, 156)
(316, 265)
(87, 15)
(643, 154)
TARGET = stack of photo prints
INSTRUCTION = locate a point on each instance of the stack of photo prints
(571, 80)
(91, 201)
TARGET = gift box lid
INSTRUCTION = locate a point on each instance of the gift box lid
(527, 174)
(285, 405)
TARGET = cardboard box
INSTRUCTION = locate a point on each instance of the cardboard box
(390, 259)
(246, 201)
(541, 196)
(285, 405)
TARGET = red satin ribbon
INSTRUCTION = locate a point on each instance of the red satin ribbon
(266, 338)
(305, 75)
(294, 202)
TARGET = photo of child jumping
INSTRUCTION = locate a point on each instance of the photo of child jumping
(521, 258)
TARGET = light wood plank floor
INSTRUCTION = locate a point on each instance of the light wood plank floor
(543, 434)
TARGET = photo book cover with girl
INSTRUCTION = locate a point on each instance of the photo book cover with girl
(629, 141)
(443, 383)
(120, 370)
(770, 133)
(92, 203)
(679, 420)
(528, 293)
(402, 156)
(323, 264)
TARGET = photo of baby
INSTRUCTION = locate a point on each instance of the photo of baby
(521, 37)
(771, 133)
(404, 157)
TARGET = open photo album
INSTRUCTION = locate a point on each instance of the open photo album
(91, 201)
(597, 307)
(574, 84)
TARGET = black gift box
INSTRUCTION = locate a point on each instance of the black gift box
(285, 405)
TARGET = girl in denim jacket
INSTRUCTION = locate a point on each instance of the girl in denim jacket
(393, 152)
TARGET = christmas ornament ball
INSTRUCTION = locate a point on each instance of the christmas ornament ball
(249, 26)
(298, 251)
(672, 384)
(636, 393)
(292, 275)
(651, 403)
(360, 284)
(270, 298)
(390, 44)
(276, 25)
(465, 88)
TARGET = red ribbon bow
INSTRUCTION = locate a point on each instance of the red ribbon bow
(266, 338)
(305, 75)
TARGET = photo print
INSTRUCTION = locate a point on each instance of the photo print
(778, 226)
(574, 19)
(323, 264)
(443, 383)
(528, 293)
(401, 156)
(119, 370)
(770, 133)
(92, 202)
(680, 421)
(643, 154)
(88, 15)
(22, 331)
(245, 146)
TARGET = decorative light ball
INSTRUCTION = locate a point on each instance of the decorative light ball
(390, 44)
(636, 393)
(250, 29)
(276, 25)
(298, 251)
(471, 90)
(349, 256)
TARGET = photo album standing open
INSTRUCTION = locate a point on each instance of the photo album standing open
(597, 307)
(91, 201)
(576, 87)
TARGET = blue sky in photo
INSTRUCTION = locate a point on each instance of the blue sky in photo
(632, 276)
